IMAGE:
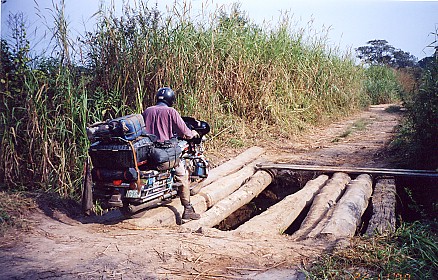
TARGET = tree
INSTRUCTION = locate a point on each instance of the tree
(402, 59)
(379, 52)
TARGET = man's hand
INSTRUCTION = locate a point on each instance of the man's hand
(195, 134)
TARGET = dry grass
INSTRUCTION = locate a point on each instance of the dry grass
(14, 209)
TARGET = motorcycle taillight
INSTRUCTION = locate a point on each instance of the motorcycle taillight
(132, 186)
(117, 182)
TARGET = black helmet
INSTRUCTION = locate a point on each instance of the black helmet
(166, 95)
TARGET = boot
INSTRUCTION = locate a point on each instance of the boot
(189, 213)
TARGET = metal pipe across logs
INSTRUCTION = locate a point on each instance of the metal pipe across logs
(351, 170)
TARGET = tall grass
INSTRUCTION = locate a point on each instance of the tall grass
(44, 103)
(248, 82)
(382, 84)
(227, 64)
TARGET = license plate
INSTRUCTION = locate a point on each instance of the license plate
(132, 194)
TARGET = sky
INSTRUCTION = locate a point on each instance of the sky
(406, 25)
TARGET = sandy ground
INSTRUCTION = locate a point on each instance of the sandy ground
(62, 247)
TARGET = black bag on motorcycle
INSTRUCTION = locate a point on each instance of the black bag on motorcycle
(120, 155)
(164, 156)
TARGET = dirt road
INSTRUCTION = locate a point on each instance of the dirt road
(62, 247)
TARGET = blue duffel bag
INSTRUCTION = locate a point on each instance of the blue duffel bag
(128, 127)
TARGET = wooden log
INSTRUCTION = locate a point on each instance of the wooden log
(326, 199)
(316, 231)
(87, 193)
(220, 189)
(256, 184)
(348, 212)
(277, 218)
(170, 214)
(383, 201)
(230, 166)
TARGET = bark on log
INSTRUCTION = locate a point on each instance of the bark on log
(316, 231)
(348, 212)
(256, 184)
(170, 214)
(277, 218)
(383, 201)
(220, 189)
(326, 199)
(230, 166)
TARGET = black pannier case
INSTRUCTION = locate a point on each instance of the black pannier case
(103, 174)
(119, 155)
(130, 174)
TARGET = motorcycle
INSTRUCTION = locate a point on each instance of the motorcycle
(128, 169)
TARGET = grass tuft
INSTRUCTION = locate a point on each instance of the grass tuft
(410, 253)
(358, 125)
(14, 208)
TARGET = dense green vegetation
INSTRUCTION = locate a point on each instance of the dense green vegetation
(247, 82)
(382, 85)
(419, 133)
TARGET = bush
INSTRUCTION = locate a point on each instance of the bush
(381, 84)
(423, 120)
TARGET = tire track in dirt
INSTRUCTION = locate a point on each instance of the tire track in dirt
(357, 141)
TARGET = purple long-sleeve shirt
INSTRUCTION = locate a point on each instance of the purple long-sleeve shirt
(165, 122)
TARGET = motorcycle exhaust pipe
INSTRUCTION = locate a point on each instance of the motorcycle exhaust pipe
(135, 208)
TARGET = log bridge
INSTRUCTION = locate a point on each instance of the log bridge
(335, 199)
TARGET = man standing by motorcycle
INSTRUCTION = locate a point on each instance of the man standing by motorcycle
(165, 122)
